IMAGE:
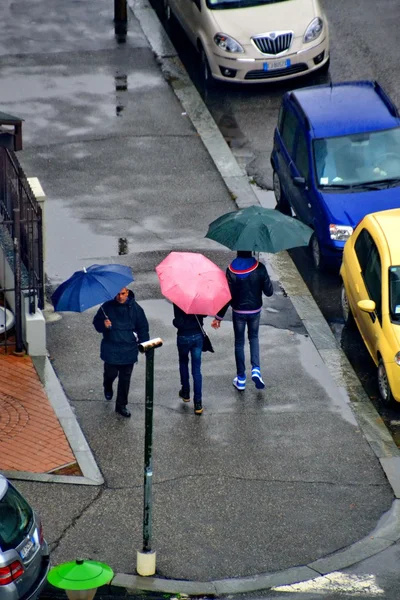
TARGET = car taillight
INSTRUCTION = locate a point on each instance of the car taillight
(11, 572)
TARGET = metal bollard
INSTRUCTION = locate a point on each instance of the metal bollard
(146, 559)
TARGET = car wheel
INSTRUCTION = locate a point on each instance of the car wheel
(281, 201)
(208, 79)
(346, 310)
(168, 16)
(316, 255)
(383, 384)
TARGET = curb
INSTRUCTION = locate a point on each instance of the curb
(387, 530)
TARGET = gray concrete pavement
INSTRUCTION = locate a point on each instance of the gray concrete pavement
(265, 488)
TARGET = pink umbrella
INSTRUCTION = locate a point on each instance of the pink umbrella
(193, 282)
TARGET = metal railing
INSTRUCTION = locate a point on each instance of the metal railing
(21, 238)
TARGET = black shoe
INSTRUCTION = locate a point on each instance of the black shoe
(123, 411)
(185, 397)
(108, 394)
(198, 409)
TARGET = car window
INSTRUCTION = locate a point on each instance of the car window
(373, 279)
(358, 159)
(301, 157)
(15, 519)
(394, 293)
(363, 247)
(288, 131)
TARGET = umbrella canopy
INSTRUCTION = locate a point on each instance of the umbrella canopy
(193, 282)
(91, 286)
(259, 229)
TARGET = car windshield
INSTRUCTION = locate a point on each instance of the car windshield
(228, 4)
(353, 161)
(394, 293)
(15, 519)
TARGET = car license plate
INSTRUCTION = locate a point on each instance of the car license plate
(282, 63)
(27, 548)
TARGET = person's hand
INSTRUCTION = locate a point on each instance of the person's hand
(215, 324)
(107, 323)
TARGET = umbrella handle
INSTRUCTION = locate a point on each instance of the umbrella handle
(105, 315)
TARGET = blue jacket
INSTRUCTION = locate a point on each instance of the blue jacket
(119, 345)
(248, 280)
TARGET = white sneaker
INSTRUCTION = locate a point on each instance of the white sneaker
(256, 377)
(239, 383)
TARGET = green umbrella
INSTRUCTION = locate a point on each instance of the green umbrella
(259, 229)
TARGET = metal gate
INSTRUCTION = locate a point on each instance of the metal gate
(21, 241)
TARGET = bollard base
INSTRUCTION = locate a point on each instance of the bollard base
(146, 563)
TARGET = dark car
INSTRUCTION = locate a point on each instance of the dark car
(24, 556)
(336, 158)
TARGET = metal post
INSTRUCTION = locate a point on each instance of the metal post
(146, 561)
(120, 19)
(148, 452)
(19, 346)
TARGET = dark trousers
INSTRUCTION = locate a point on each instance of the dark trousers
(239, 326)
(123, 372)
(190, 344)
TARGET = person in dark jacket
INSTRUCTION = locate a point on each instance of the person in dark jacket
(189, 341)
(123, 325)
(248, 279)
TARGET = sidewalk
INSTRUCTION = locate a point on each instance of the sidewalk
(265, 488)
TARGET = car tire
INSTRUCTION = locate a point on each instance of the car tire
(346, 310)
(385, 392)
(208, 79)
(282, 203)
(316, 255)
(168, 15)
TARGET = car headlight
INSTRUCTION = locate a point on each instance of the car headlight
(397, 359)
(313, 30)
(340, 233)
(227, 43)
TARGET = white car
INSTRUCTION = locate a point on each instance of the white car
(255, 40)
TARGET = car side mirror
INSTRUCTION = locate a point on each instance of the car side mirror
(367, 306)
(300, 182)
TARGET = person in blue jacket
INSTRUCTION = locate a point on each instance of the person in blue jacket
(248, 279)
(124, 325)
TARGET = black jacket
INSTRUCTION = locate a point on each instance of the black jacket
(247, 287)
(119, 345)
(186, 324)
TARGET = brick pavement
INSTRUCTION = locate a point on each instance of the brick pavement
(31, 437)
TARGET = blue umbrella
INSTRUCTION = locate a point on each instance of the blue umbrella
(91, 286)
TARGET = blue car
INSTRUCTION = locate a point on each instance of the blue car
(336, 158)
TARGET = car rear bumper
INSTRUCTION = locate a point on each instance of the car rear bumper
(40, 582)
(252, 70)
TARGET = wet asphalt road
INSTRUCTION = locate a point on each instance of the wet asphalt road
(246, 116)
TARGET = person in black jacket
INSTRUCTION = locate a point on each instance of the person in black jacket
(123, 324)
(248, 279)
(189, 341)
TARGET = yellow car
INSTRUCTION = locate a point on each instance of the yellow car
(370, 295)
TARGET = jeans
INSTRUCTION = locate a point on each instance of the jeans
(190, 344)
(239, 326)
(123, 372)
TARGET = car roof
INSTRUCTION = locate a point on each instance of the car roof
(345, 108)
(389, 222)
